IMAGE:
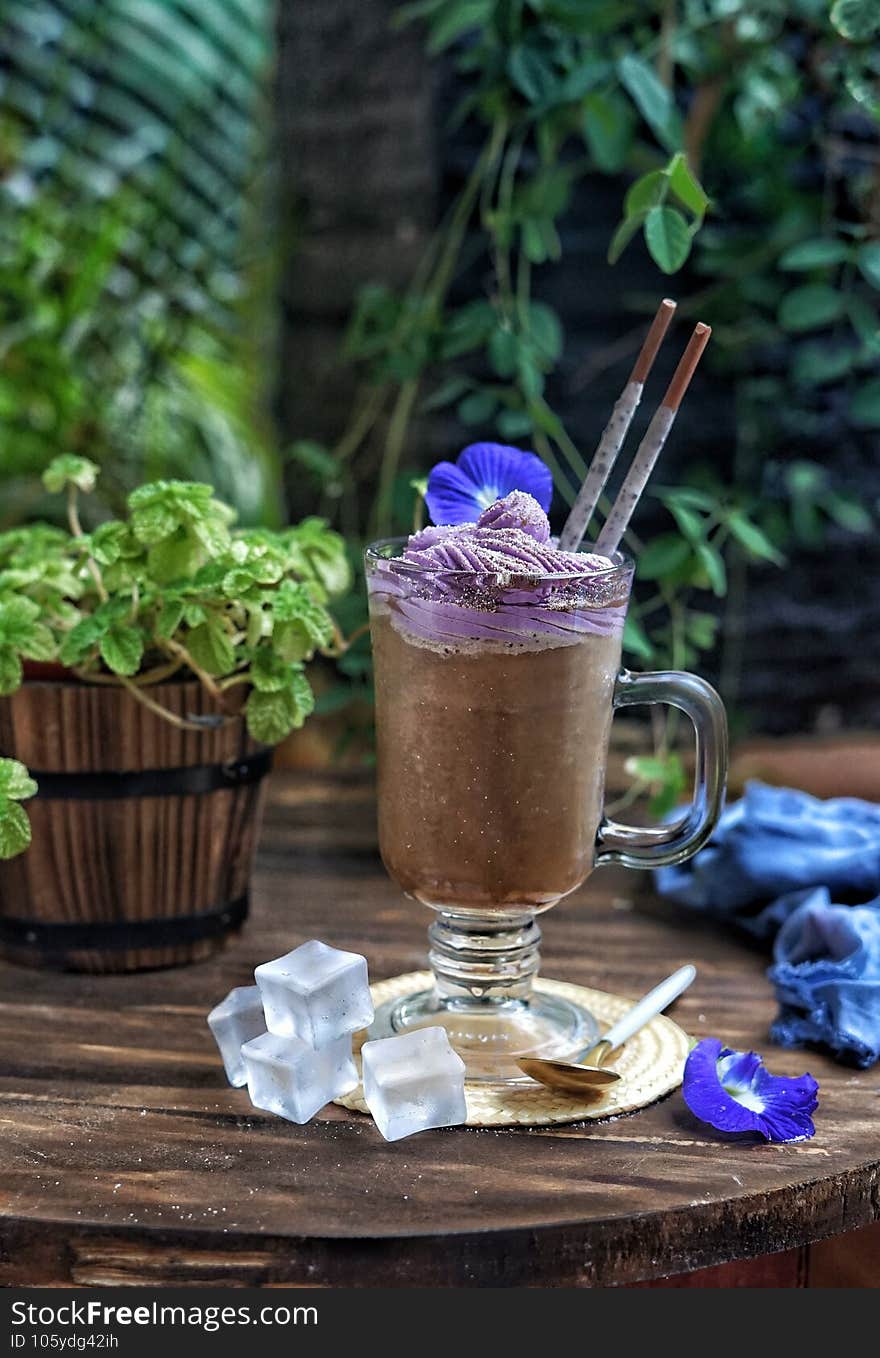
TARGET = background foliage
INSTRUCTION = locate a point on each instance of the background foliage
(135, 323)
(744, 138)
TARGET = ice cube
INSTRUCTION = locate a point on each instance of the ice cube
(315, 993)
(412, 1082)
(294, 1080)
(233, 1021)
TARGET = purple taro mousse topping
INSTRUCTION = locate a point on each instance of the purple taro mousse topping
(517, 510)
(500, 579)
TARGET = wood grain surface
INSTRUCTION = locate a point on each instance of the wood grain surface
(128, 859)
(124, 1156)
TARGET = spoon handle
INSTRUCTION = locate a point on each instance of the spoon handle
(653, 1003)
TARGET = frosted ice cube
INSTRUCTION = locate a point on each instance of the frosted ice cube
(290, 1078)
(233, 1021)
(315, 993)
(413, 1082)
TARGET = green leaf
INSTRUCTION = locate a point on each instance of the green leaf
(533, 241)
(17, 621)
(300, 697)
(514, 424)
(174, 559)
(323, 558)
(122, 648)
(645, 193)
(170, 617)
(868, 259)
(810, 307)
(857, 20)
(668, 795)
(10, 671)
(447, 392)
(81, 639)
(668, 238)
(69, 469)
(272, 716)
(240, 582)
(815, 363)
(503, 351)
(292, 602)
(608, 125)
(864, 408)
(690, 523)
(653, 100)
(814, 254)
(468, 328)
(636, 639)
(477, 408)
(315, 458)
(848, 513)
(454, 21)
(531, 379)
(269, 673)
(268, 716)
(154, 522)
(531, 74)
(664, 554)
(15, 781)
(545, 331)
(702, 629)
(15, 829)
(686, 187)
(624, 233)
(109, 541)
(713, 563)
(211, 648)
(212, 533)
(686, 495)
(806, 480)
(753, 539)
(193, 614)
(863, 319)
(293, 640)
(40, 644)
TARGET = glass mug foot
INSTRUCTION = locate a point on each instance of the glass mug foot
(483, 997)
(489, 1038)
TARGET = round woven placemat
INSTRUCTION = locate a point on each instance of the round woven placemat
(651, 1065)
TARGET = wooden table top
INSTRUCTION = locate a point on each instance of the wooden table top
(124, 1156)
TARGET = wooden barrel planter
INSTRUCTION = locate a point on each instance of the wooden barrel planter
(143, 833)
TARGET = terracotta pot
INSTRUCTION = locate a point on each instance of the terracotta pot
(143, 833)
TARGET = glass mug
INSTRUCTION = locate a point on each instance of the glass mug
(492, 731)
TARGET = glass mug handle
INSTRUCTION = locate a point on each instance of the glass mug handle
(655, 846)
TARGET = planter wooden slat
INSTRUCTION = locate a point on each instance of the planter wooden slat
(129, 859)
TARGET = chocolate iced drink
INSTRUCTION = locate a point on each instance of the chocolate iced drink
(495, 659)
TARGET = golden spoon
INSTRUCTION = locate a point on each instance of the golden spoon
(574, 1077)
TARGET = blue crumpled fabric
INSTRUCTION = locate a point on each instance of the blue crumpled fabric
(826, 971)
(787, 865)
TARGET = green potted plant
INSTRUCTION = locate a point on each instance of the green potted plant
(147, 668)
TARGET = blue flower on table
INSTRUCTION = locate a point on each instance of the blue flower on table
(734, 1092)
(459, 491)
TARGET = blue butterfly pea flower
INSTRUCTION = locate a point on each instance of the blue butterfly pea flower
(459, 491)
(734, 1092)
